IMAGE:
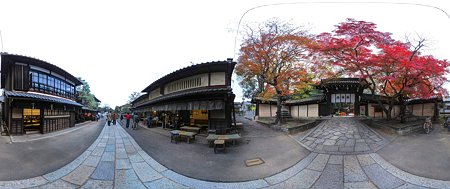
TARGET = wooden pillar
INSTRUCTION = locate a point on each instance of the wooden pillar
(357, 110)
(330, 107)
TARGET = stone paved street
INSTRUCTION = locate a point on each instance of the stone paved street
(343, 136)
(115, 160)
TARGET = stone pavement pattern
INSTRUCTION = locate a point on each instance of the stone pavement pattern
(115, 160)
(343, 136)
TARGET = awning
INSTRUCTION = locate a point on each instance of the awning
(46, 98)
(193, 105)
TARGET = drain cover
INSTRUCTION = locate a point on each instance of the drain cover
(253, 162)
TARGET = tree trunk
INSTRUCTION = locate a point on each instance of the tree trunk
(279, 118)
(402, 109)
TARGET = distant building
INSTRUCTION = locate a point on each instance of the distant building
(446, 106)
(38, 96)
(198, 95)
(343, 97)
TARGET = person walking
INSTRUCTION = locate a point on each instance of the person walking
(108, 116)
(155, 119)
(127, 117)
(114, 117)
(149, 120)
(136, 121)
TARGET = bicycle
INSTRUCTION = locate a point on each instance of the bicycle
(427, 125)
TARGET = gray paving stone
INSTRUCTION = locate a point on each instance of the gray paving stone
(381, 178)
(127, 179)
(410, 186)
(104, 171)
(319, 141)
(108, 156)
(145, 172)
(319, 162)
(347, 149)
(336, 159)
(25, 183)
(359, 185)
(110, 148)
(352, 170)
(319, 147)
(101, 144)
(332, 148)
(98, 151)
(332, 178)
(282, 176)
(135, 157)
(150, 161)
(362, 147)
(57, 185)
(92, 161)
(97, 184)
(194, 183)
(164, 183)
(123, 164)
(308, 143)
(304, 179)
(413, 179)
(121, 154)
(340, 142)
(53, 176)
(80, 175)
(130, 149)
(334, 137)
(365, 159)
(329, 142)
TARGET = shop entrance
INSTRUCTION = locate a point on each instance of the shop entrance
(31, 119)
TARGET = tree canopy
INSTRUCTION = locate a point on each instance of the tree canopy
(85, 96)
(278, 59)
(274, 55)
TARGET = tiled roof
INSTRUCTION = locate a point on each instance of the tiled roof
(41, 97)
(187, 93)
(42, 64)
(215, 66)
(308, 100)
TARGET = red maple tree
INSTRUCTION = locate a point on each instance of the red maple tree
(394, 69)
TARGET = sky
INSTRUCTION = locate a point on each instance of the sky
(120, 47)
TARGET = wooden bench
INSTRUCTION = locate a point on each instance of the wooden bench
(177, 134)
(219, 144)
(190, 129)
(228, 137)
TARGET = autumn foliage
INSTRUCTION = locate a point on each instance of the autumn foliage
(284, 61)
(274, 56)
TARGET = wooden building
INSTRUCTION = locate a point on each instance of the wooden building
(39, 96)
(200, 94)
(344, 97)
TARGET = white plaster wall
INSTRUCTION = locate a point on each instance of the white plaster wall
(417, 109)
(294, 111)
(218, 78)
(264, 110)
(313, 110)
(302, 111)
(428, 109)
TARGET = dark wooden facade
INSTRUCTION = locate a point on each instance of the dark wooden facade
(39, 96)
(205, 86)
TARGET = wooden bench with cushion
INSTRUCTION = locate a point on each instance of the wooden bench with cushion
(183, 134)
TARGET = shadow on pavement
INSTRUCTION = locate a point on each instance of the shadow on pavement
(426, 155)
(197, 160)
(24, 160)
